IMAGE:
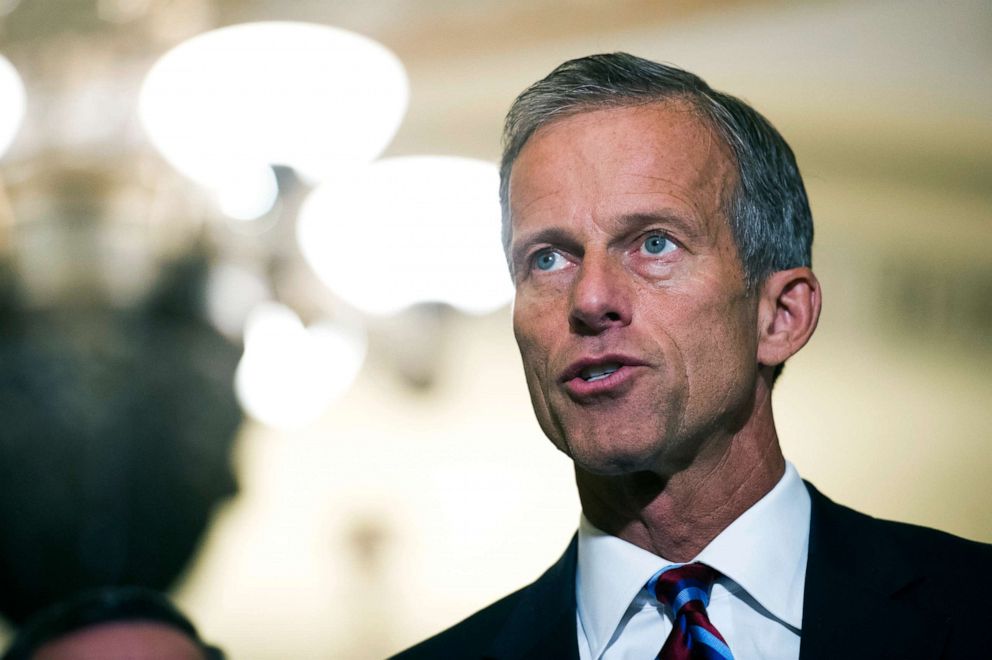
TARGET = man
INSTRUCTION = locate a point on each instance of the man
(659, 238)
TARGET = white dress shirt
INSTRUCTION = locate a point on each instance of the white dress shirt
(757, 604)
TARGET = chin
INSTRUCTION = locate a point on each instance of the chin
(612, 456)
(621, 451)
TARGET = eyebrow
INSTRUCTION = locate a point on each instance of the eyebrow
(678, 221)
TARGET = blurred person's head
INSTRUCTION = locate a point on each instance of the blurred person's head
(111, 623)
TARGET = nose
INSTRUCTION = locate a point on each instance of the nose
(600, 298)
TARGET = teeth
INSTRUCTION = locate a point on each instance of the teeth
(598, 372)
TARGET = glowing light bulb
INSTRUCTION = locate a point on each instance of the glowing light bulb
(407, 230)
(290, 373)
(12, 107)
(227, 104)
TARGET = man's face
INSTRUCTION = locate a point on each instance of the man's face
(637, 332)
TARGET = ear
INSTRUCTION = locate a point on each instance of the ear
(788, 311)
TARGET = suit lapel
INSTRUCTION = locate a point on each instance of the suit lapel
(542, 624)
(851, 606)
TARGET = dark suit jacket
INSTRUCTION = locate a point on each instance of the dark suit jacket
(874, 589)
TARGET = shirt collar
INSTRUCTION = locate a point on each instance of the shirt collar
(764, 551)
(610, 574)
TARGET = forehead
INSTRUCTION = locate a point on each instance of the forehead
(652, 154)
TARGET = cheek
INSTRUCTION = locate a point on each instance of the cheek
(532, 342)
(726, 357)
(536, 325)
(717, 337)
(528, 331)
(521, 327)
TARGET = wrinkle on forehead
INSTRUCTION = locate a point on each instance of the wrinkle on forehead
(685, 159)
(531, 202)
(710, 157)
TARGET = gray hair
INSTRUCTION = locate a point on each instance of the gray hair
(768, 211)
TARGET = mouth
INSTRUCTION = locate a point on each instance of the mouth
(598, 372)
(598, 375)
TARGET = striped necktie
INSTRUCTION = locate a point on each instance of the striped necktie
(685, 590)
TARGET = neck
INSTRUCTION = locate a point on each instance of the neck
(675, 515)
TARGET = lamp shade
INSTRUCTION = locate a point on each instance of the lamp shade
(225, 105)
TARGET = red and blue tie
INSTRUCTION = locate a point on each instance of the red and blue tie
(685, 590)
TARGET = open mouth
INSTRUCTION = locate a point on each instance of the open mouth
(598, 372)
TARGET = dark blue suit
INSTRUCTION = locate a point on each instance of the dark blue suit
(874, 589)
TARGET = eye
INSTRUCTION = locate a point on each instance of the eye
(548, 260)
(657, 244)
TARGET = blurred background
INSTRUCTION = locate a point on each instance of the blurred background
(255, 343)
